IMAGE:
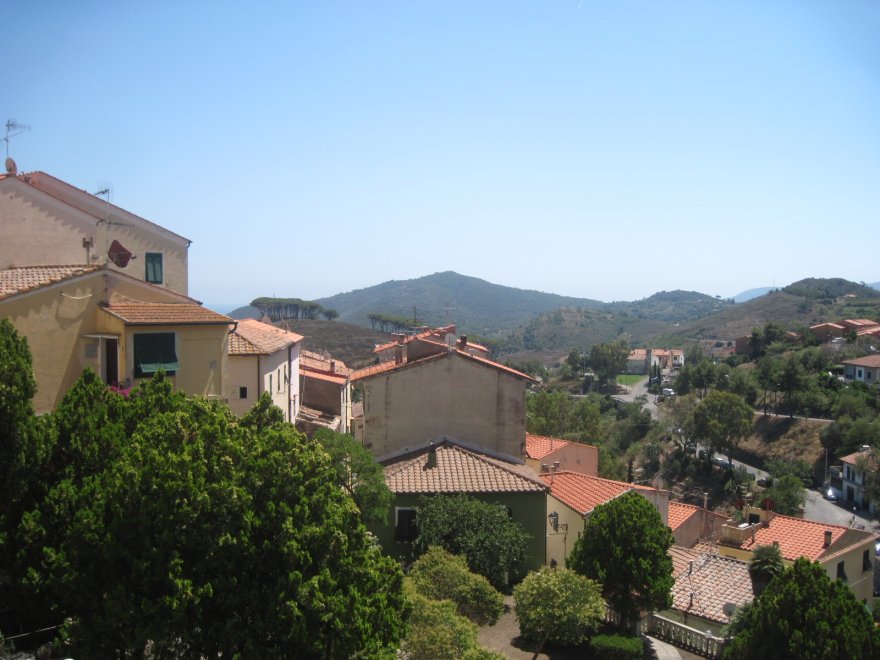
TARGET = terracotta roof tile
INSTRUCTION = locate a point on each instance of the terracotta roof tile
(872, 361)
(458, 470)
(704, 587)
(384, 367)
(166, 314)
(538, 446)
(252, 337)
(797, 537)
(320, 375)
(855, 456)
(26, 278)
(319, 362)
(679, 513)
(581, 492)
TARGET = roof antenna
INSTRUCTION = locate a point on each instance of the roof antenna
(13, 128)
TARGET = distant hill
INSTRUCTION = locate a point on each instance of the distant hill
(745, 296)
(246, 312)
(350, 343)
(474, 305)
(803, 303)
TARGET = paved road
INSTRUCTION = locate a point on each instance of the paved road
(818, 508)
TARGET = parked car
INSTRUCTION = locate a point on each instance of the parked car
(668, 391)
(723, 463)
(829, 495)
(765, 482)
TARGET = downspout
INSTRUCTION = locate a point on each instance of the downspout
(290, 383)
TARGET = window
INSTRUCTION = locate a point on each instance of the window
(242, 393)
(270, 383)
(405, 527)
(155, 351)
(866, 561)
(153, 263)
(279, 380)
(841, 572)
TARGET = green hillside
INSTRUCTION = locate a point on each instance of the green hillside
(475, 305)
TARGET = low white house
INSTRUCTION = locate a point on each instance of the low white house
(263, 358)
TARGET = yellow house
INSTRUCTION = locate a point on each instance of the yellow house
(571, 500)
(263, 358)
(122, 327)
(845, 553)
(44, 221)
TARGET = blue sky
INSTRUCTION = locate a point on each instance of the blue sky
(606, 150)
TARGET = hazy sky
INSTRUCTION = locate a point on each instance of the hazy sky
(599, 149)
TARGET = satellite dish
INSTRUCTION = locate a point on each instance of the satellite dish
(729, 609)
(11, 167)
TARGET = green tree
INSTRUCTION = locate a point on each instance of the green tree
(804, 615)
(792, 380)
(494, 546)
(625, 548)
(358, 473)
(765, 564)
(608, 360)
(438, 632)
(558, 606)
(441, 575)
(169, 524)
(722, 420)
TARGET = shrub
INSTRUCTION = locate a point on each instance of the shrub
(559, 606)
(617, 647)
(437, 631)
(442, 575)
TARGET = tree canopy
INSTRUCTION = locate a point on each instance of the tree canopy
(608, 360)
(722, 420)
(805, 615)
(494, 546)
(162, 521)
(625, 548)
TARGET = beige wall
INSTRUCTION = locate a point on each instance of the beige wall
(561, 541)
(243, 373)
(573, 457)
(448, 396)
(56, 318)
(39, 229)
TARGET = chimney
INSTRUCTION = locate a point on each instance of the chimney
(401, 338)
(462, 343)
(332, 366)
(775, 544)
(690, 567)
(545, 467)
(432, 458)
(398, 353)
(556, 465)
(827, 540)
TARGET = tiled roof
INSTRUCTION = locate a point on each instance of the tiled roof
(166, 314)
(797, 537)
(679, 513)
(320, 375)
(385, 367)
(704, 587)
(872, 361)
(252, 337)
(581, 492)
(458, 470)
(318, 362)
(859, 322)
(827, 325)
(638, 354)
(538, 446)
(25, 278)
(855, 456)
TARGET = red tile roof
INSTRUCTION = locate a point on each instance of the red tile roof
(872, 361)
(581, 492)
(706, 583)
(797, 537)
(166, 314)
(679, 513)
(318, 362)
(26, 278)
(855, 456)
(538, 446)
(252, 337)
(458, 470)
(320, 375)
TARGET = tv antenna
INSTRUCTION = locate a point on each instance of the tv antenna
(13, 128)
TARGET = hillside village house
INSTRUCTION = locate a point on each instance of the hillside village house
(92, 285)
(49, 222)
(325, 385)
(571, 500)
(451, 466)
(853, 473)
(642, 360)
(395, 349)
(124, 328)
(543, 452)
(845, 553)
(864, 370)
(263, 358)
(431, 390)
